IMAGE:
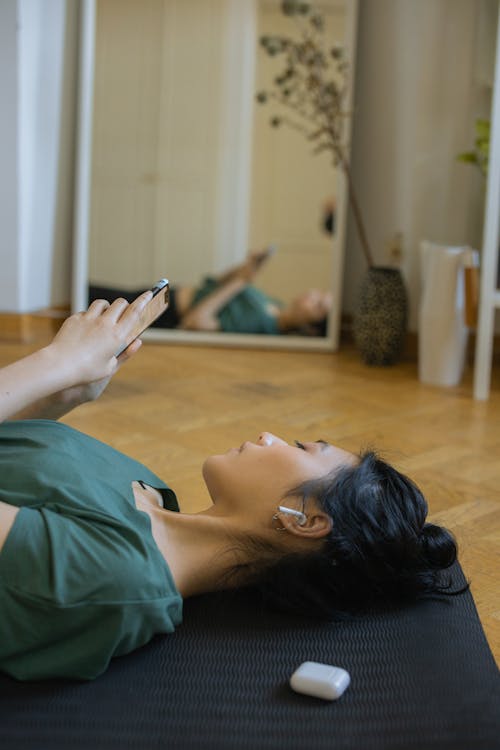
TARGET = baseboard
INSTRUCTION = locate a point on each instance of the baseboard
(28, 328)
(411, 347)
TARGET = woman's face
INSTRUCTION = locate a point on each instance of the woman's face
(311, 307)
(253, 479)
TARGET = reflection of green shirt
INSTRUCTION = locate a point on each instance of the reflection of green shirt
(81, 578)
(247, 312)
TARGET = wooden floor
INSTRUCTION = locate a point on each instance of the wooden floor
(172, 406)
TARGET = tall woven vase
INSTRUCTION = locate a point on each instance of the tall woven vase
(381, 316)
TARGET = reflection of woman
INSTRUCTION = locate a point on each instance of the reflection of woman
(95, 558)
(230, 303)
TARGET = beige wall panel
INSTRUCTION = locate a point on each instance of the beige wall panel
(156, 126)
(124, 168)
(289, 183)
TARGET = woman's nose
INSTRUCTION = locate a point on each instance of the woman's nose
(267, 438)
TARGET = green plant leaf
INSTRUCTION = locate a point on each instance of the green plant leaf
(483, 129)
(469, 157)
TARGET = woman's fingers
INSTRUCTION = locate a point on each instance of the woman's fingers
(87, 343)
(125, 318)
(97, 307)
(120, 309)
(129, 351)
(119, 312)
(140, 303)
(116, 309)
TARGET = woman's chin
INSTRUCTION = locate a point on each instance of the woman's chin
(210, 466)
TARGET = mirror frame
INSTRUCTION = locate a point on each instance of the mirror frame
(83, 179)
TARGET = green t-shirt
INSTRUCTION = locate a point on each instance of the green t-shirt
(81, 578)
(246, 312)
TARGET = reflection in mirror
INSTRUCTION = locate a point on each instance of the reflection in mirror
(189, 180)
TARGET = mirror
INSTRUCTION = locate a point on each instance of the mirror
(180, 173)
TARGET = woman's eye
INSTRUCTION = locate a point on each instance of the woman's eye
(299, 445)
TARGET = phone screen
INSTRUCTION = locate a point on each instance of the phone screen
(155, 307)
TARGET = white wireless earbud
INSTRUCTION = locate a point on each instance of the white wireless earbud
(301, 517)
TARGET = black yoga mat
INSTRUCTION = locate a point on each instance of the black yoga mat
(422, 677)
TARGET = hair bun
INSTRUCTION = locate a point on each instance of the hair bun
(438, 546)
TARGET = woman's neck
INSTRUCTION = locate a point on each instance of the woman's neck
(197, 548)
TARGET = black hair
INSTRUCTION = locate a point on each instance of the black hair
(379, 552)
(318, 328)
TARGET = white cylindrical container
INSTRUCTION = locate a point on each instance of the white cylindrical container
(442, 332)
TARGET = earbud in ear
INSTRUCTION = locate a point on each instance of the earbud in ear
(301, 517)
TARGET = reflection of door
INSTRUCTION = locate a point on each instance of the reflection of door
(289, 184)
(170, 164)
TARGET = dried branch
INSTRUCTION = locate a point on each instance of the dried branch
(312, 85)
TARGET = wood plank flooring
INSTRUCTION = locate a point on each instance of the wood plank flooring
(171, 406)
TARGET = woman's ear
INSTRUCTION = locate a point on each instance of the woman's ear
(316, 525)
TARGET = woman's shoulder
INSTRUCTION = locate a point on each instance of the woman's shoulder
(19, 428)
(30, 437)
(61, 455)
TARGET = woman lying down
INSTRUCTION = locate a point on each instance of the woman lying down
(230, 303)
(95, 557)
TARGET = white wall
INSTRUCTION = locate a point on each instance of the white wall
(37, 135)
(417, 96)
(9, 257)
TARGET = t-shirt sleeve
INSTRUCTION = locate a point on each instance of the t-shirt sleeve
(75, 592)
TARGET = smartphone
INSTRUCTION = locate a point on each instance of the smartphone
(155, 307)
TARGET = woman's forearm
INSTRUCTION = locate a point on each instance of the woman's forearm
(247, 269)
(216, 300)
(232, 273)
(52, 407)
(203, 316)
(26, 385)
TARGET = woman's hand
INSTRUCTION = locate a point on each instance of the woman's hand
(256, 258)
(75, 395)
(76, 366)
(87, 344)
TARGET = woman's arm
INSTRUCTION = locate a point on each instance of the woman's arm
(58, 404)
(203, 316)
(248, 268)
(76, 366)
